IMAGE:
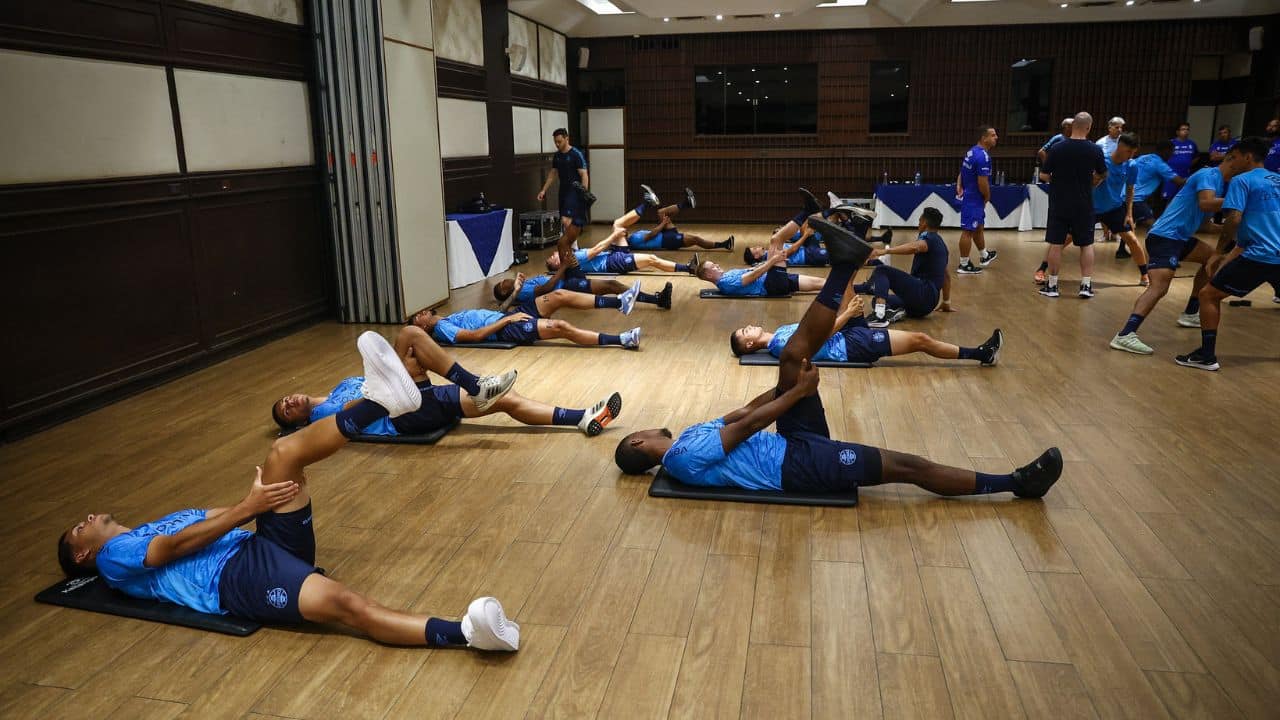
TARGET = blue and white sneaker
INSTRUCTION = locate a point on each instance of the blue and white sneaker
(650, 196)
(628, 299)
(631, 339)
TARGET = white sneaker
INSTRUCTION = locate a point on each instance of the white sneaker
(628, 298)
(833, 199)
(1275, 298)
(386, 382)
(631, 339)
(896, 315)
(1191, 320)
(486, 627)
(1131, 343)
(650, 196)
(600, 415)
(492, 388)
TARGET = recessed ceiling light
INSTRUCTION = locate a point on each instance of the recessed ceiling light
(776, 16)
(604, 7)
(1063, 5)
(719, 17)
(666, 19)
(757, 82)
(1128, 3)
(843, 3)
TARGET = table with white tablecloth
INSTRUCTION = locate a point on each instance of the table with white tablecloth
(479, 246)
(1020, 207)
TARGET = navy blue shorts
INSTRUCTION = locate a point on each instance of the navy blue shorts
(901, 289)
(814, 462)
(573, 207)
(973, 215)
(1142, 211)
(619, 262)
(263, 579)
(441, 406)
(577, 284)
(1113, 220)
(1167, 253)
(777, 281)
(524, 332)
(1242, 276)
(1079, 228)
(814, 254)
(865, 344)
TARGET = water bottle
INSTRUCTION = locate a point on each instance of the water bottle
(884, 178)
(917, 178)
(1035, 175)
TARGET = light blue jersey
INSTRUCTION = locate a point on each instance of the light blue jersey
(1052, 141)
(698, 458)
(527, 291)
(596, 264)
(833, 349)
(190, 581)
(731, 283)
(447, 329)
(1153, 171)
(1256, 195)
(345, 392)
(1110, 193)
(1183, 216)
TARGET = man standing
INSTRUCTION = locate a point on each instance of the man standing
(1184, 155)
(1113, 201)
(1107, 142)
(1074, 167)
(1272, 162)
(1220, 146)
(570, 166)
(973, 187)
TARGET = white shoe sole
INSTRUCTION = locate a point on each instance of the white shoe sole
(1117, 345)
(490, 628)
(381, 360)
(1211, 368)
(483, 405)
(608, 411)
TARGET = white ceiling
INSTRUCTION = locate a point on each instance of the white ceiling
(574, 20)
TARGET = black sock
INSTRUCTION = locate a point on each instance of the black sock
(608, 301)
(723, 244)
(645, 297)
(834, 286)
(1142, 269)
(681, 267)
(684, 204)
(459, 376)
(987, 483)
(445, 633)
(607, 339)
(359, 416)
(1209, 342)
(1193, 306)
(972, 354)
(1044, 266)
(1132, 324)
(800, 217)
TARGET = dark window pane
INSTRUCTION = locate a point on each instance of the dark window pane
(890, 96)
(1029, 96)
(756, 99)
(601, 88)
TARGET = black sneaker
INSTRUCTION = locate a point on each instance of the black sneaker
(1034, 480)
(1199, 360)
(986, 258)
(693, 264)
(586, 194)
(992, 348)
(693, 201)
(1086, 290)
(1049, 291)
(728, 244)
(650, 196)
(1122, 252)
(811, 206)
(843, 247)
(664, 297)
(968, 268)
(887, 237)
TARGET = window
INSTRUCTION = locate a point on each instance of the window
(890, 93)
(1029, 96)
(756, 99)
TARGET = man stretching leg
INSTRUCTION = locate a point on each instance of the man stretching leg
(801, 457)
(918, 293)
(200, 559)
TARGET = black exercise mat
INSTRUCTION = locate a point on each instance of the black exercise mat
(430, 438)
(92, 594)
(764, 359)
(486, 344)
(709, 294)
(666, 486)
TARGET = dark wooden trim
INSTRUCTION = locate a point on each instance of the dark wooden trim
(177, 119)
(466, 167)
(460, 80)
(538, 93)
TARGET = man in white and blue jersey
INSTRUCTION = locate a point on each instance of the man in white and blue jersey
(569, 167)
(1113, 199)
(1064, 132)
(1250, 240)
(1172, 242)
(735, 450)
(973, 188)
(768, 279)
(200, 559)
(525, 325)
(442, 406)
(607, 290)
(853, 340)
(1107, 142)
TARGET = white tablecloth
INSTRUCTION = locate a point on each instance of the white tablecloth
(465, 266)
(1030, 214)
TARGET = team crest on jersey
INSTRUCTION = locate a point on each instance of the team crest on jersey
(277, 598)
(848, 457)
(878, 336)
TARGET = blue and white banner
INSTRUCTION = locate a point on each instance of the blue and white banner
(479, 246)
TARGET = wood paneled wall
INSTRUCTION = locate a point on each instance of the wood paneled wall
(960, 77)
(111, 285)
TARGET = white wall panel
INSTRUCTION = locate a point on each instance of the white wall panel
(464, 128)
(1201, 119)
(552, 119)
(408, 21)
(289, 11)
(606, 126)
(551, 51)
(607, 182)
(64, 118)
(237, 122)
(523, 32)
(1232, 115)
(415, 165)
(459, 31)
(526, 130)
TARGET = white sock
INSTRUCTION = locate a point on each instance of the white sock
(880, 310)
(1052, 280)
(1086, 280)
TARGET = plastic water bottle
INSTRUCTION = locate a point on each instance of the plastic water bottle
(884, 178)
(1035, 175)
(917, 177)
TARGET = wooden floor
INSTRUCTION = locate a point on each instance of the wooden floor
(1144, 585)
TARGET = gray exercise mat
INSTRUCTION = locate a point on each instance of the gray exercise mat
(764, 359)
(666, 486)
(484, 344)
(709, 294)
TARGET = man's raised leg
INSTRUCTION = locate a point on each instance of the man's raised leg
(414, 345)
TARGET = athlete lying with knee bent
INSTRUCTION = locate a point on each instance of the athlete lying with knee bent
(735, 450)
(200, 559)
(531, 288)
(602, 258)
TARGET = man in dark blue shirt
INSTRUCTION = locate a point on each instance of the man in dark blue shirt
(1074, 168)
(569, 165)
(736, 450)
(898, 294)
(200, 559)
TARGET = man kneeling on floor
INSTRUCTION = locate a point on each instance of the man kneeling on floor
(801, 457)
(201, 560)
(443, 405)
(852, 340)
